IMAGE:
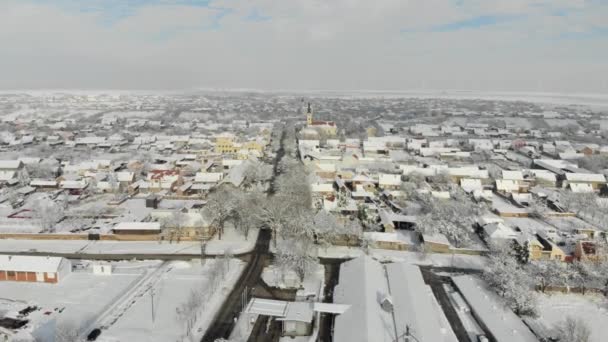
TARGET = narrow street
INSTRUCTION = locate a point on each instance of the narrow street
(224, 321)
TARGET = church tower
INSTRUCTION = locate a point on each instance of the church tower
(309, 115)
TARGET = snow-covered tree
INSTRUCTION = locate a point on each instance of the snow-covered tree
(352, 230)
(295, 255)
(537, 208)
(573, 330)
(326, 227)
(508, 278)
(248, 211)
(47, 213)
(275, 214)
(220, 208)
(582, 273)
(67, 332)
(453, 218)
(549, 272)
(257, 173)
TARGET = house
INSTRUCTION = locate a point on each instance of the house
(137, 228)
(498, 231)
(208, 177)
(323, 189)
(33, 268)
(44, 184)
(11, 165)
(75, 187)
(385, 300)
(593, 180)
(225, 143)
(541, 248)
(587, 250)
(193, 224)
(389, 181)
(437, 243)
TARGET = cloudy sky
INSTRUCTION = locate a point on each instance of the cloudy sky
(510, 45)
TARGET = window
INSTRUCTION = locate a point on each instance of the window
(50, 275)
(10, 273)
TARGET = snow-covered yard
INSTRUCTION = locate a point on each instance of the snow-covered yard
(591, 308)
(122, 302)
(171, 292)
(82, 295)
(232, 241)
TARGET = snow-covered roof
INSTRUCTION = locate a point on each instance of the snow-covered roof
(512, 175)
(581, 187)
(362, 284)
(468, 171)
(70, 184)
(321, 187)
(469, 185)
(137, 226)
(586, 177)
(504, 325)
(208, 177)
(43, 182)
(10, 164)
(284, 311)
(388, 179)
(25, 263)
(125, 176)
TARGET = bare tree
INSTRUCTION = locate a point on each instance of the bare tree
(67, 332)
(573, 330)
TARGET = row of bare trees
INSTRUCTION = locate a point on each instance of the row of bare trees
(190, 310)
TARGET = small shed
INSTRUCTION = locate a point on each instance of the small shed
(137, 228)
(27, 268)
(102, 269)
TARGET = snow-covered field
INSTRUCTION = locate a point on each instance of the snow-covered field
(137, 324)
(82, 294)
(122, 302)
(592, 309)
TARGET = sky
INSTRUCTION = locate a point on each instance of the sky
(497, 45)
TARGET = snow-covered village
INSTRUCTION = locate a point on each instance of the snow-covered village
(275, 217)
(304, 171)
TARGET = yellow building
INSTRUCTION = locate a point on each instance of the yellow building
(224, 143)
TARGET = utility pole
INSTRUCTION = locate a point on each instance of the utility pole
(203, 248)
(152, 302)
(407, 335)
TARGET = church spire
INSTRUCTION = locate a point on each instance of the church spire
(309, 115)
